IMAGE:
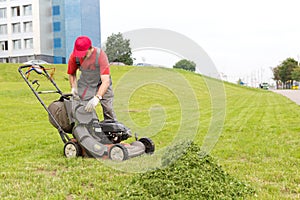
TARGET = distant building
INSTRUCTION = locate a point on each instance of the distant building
(45, 29)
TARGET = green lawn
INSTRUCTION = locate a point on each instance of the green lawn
(259, 143)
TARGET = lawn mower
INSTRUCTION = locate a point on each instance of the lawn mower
(82, 133)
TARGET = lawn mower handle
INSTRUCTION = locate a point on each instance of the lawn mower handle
(62, 133)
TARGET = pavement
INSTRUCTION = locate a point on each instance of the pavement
(294, 95)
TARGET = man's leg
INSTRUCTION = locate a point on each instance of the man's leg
(108, 111)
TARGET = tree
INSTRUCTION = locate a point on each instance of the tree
(284, 71)
(276, 77)
(186, 65)
(118, 49)
(296, 74)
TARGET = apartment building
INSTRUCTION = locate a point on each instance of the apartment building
(45, 29)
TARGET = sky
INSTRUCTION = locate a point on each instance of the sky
(243, 38)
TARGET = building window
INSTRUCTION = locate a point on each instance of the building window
(27, 10)
(4, 60)
(29, 57)
(15, 11)
(57, 43)
(16, 44)
(56, 26)
(55, 10)
(27, 27)
(3, 29)
(28, 43)
(14, 60)
(3, 45)
(2, 13)
(16, 28)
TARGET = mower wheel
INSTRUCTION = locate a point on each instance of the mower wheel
(118, 152)
(149, 145)
(72, 149)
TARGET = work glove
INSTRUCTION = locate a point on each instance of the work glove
(74, 93)
(90, 106)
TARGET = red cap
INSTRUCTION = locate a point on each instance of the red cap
(82, 44)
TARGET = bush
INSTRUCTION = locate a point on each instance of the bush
(186, 65)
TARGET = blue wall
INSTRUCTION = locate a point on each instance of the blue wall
(90, 20)
(76, 17)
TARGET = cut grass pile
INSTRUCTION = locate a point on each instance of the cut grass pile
(191, 176)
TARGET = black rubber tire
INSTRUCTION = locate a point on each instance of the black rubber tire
(149, 145)
(72, 149)
(118, 153)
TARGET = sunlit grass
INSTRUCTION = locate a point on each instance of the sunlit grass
(259, 144)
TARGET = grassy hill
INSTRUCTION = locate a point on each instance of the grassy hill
(259, 144)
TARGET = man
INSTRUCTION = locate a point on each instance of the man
(94, 84)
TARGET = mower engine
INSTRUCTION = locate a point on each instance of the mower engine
(109, 132)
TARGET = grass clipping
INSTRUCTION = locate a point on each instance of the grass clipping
(186, 175)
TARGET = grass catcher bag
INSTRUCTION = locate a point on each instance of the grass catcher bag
(59, 112)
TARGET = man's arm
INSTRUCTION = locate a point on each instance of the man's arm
(104, 86)
(72, 69)
(72, 80)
